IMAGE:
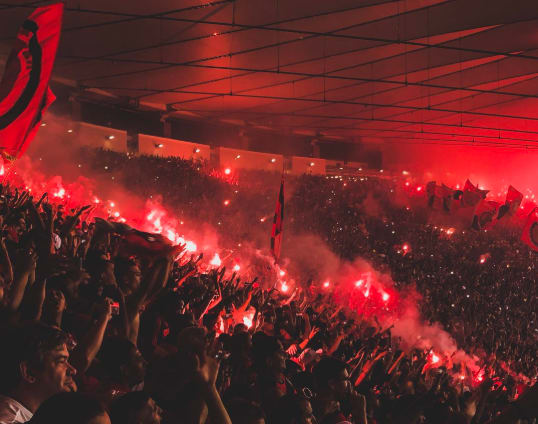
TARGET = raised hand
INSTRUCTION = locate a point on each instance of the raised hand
(207, 370)
(292, 350)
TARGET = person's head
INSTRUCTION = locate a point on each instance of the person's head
(332, 377)
(294, 409)
(240, 328)
(69, 283)
(128, 275)
(36, 364)
(241, 344)
(269, 354)
(123, 362)
(135, 408)
(70, 408)
(193, 340)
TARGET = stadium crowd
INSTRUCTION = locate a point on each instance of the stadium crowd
(102, 324)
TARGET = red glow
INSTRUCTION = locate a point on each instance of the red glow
(419, 188)
(190, 246)
(386, 297)
(226, 202)
(216, 261)
(450, 231)
(359, 283)
(326, 284)
(60, 193)
(227, 171)
(236, 267)
(282, 273)
(434, 359)
(2, 172)
(247, 321)
(407, 183)
(284, 287)
(405, 247)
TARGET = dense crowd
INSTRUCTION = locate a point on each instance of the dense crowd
(103, 324)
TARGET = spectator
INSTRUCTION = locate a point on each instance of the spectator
(135, 408)
(35, 367)
(70, 408)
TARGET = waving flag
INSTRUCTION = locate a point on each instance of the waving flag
(530, 231)
(485, 213)
(276, 233)
(24, 89)
(439, 197)
(472, 195)
(513, 201)
(136, 241)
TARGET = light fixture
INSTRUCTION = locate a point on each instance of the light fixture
(110, 137)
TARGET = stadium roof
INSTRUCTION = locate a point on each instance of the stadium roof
(412, 71)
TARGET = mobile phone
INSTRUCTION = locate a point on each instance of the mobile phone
(115, 306)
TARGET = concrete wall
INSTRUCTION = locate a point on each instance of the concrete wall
(223, 157)
(97, 136)
(159, 146)
(245, 159)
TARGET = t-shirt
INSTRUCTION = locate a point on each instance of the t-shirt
(12, 411)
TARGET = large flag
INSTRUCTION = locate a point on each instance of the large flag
(24, 89)
(439, 197)
(136, 241)
(512, 203)
(276, 233)
(485, 213)
(530, 231)
(472, 195)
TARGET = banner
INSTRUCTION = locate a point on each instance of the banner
(439, 197)
(472, 195)
(485, 213)
(24, 89)
(512, 203)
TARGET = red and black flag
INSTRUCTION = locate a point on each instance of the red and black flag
(276, 233)
(512, 203)
(135, 241)
(485, 213)
(439, 197)
(24, 89)
(472, 195)
(530, 231)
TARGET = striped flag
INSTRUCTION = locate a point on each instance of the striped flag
(276, 233)
(24, 89)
